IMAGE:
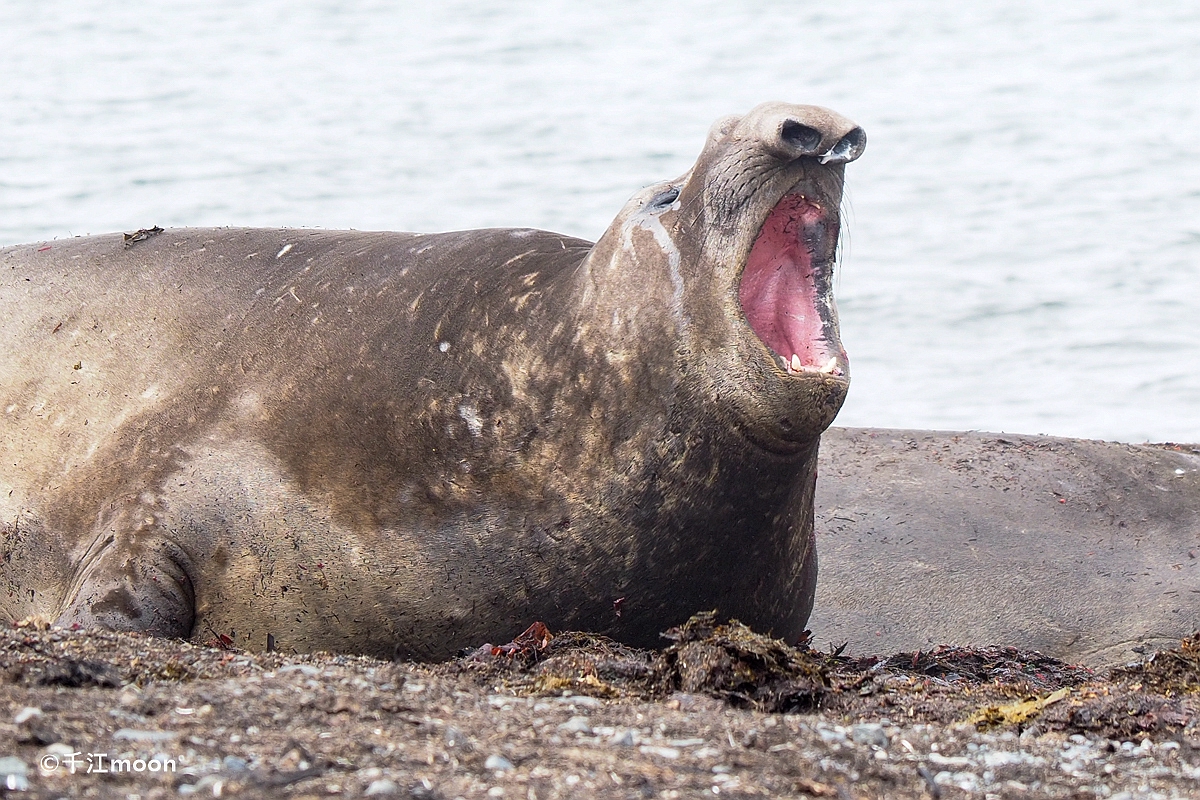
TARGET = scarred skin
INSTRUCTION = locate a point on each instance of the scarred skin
(402, 444)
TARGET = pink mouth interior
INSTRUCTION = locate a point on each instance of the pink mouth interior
(779, 292)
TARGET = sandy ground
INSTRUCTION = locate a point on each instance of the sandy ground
(718, 712)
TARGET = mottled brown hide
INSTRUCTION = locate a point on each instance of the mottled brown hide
(404, 444)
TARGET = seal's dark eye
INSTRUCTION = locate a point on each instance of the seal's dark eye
(663, 198)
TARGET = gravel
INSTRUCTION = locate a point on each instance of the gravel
(172, 719)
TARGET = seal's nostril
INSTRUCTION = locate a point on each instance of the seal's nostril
(848, 148)
(800, 136)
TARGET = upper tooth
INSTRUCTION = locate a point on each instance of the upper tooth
(796, 365)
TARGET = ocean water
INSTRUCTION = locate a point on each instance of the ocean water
(1022, 250)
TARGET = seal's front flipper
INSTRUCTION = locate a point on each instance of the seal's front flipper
(135, 586)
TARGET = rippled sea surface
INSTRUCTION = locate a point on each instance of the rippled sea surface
(1023, 245)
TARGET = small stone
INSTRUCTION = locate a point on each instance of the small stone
(869, 734)
(422, 790)
(949, 761)
(235, 764)
(27, 713)
(11, 765)
(497, 763)
(576, 725)
(15, 783)
(830, 735)
(967, 781)
(661, 752)
(210, 784)
(1004, 758)
(132, 735)
(383, 786)
(581, 701)
(623, 738)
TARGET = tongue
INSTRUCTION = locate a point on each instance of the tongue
(778, 291)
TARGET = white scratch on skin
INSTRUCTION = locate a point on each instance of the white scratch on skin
(470, 415)
(650, 222)
(444, 346)
(514, 259)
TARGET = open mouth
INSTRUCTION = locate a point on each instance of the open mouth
(786, 283)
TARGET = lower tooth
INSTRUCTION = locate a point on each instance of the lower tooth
(796, 365)
(830, 366)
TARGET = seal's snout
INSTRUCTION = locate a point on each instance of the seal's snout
(791, 132)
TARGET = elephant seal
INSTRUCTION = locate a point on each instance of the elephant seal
(402, 445)
(1086, 551)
